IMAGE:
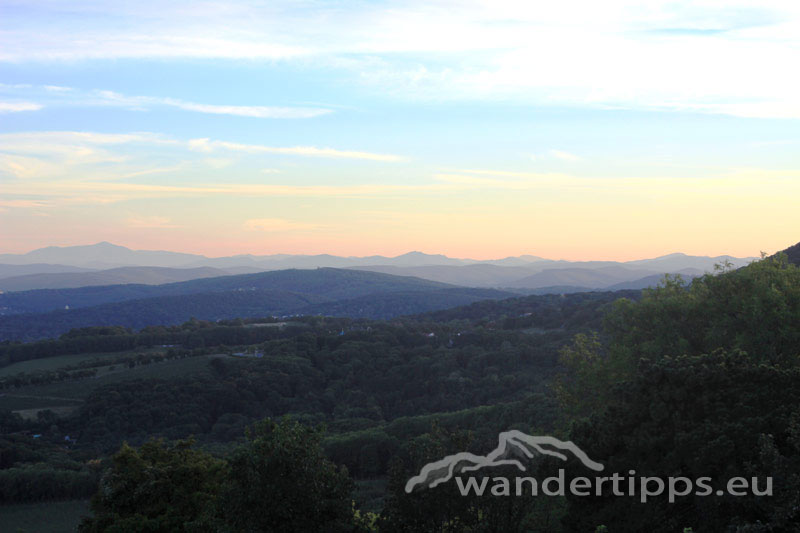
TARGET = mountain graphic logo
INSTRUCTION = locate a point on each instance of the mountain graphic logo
(513, 447)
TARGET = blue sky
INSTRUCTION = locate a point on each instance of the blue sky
(581, 130)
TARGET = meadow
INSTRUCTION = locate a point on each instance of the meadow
(67, 395)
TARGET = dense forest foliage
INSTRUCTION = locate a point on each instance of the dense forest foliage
(688, 380)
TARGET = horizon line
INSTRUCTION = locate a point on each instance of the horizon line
(540, 258)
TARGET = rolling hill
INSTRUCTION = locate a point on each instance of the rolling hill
(43, 313)
(477, 275)
(594, 278)
(8, 271)
(114, 276)
(330, 283)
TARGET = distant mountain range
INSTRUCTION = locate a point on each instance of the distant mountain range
(139, 295)
(108, 264)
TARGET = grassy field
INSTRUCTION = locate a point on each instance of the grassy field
(58, 410)
(14, 401)
(61, 361)
(71, 393)
(536, 331)
(48, 517)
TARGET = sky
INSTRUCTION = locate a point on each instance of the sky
(610, 130)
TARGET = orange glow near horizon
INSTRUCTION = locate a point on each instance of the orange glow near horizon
(472, 214)
(569, 252)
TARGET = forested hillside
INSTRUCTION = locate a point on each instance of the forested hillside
(793, 254)
(329, 283)
(40, 314)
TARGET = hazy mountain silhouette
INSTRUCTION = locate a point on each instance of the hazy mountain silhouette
(525, 273)
(105, 255)
(677, 262)
(100, 255)
(594, 278)
(651, 281)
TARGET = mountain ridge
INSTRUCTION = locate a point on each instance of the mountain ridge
(528, 272)
(105, 253)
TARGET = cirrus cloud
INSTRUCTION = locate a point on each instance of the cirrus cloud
(700, 56)
(253, 111)
(16, 107)
(207, 145)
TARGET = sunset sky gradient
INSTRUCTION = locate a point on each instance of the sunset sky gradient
(576, 130)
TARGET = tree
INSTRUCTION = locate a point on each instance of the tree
(158, 487)
(754, 309)
(693, 381)
(586, 379)
(280, 481)
(721, 416)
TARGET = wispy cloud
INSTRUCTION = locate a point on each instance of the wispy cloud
(207, 145)
(557, 154)
(49, 141)
(56, 193)
(16, 107)
(613, 54)
(27, 167)
(57, 88)
(563, 155)
(257, 111)
(59, 96)
(73, 147)
(50, 154)
(23, 203)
